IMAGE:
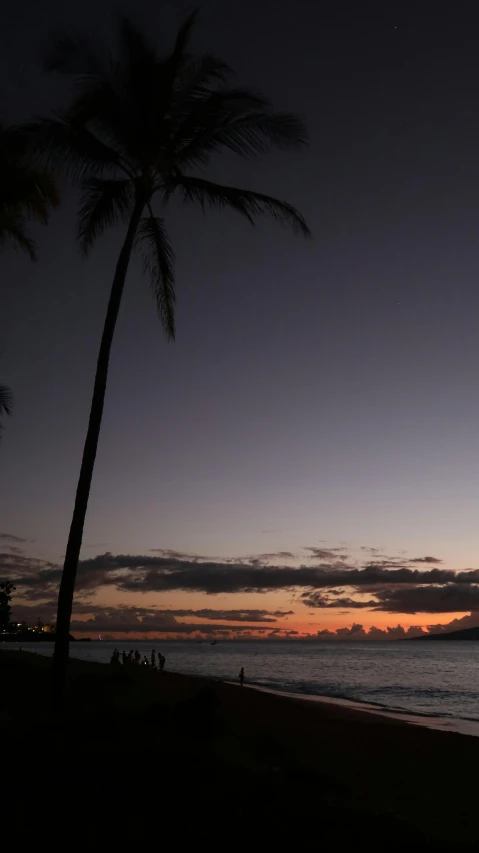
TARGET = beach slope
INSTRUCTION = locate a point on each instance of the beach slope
(134, 758)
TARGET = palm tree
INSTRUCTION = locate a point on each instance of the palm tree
(6, 401)
(26, 192)
(137, 122)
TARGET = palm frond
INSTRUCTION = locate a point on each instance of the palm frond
(45, 194)
(247, 135)
(158, 260)
(218, 105)
(103, 203)
(67, 146)
(136, 50)
(182, 39)
(247, 203)
(163, 86)
(137, 68)
(29, 191)
(75, 54)
(6, 400)
(207, 117)
(196, 78)
(13, 229)
(142, 88)
(25, 190)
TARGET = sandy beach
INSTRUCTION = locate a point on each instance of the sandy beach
(429, 721)
(133, 753)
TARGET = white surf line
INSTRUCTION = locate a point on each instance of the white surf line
(443, 724)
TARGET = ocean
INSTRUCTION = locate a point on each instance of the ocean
(418, 679)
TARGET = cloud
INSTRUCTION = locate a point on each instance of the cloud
(9, 537)
(234, 615)
(128, 619)
(169, 554)
(395, 633)
(332, 554)
(131, 619)
(425, 560)
(170, 571)
(355, 632)
(470, 620)
(395, 598)
(276, 555)
(320, 600)
(29, 572)
(382, 583)
(450, 598)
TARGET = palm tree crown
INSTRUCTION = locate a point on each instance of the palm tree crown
(26, 192)
(138, 122)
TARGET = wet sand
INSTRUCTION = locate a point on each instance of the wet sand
(429, 721)
(132, 753)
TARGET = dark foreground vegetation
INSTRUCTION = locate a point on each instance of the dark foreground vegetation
(137, 758)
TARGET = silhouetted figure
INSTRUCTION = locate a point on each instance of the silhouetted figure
(115, 658)
(153, 659)
(137, 657)
(162, 660)
(124, 657)
(130, 656)
(241, 676)
(145, 661)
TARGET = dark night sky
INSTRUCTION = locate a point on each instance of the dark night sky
(322, 390)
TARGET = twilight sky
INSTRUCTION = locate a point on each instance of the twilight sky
(319, 395)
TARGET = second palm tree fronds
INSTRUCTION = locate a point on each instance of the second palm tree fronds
(6, 401)
(26, 192)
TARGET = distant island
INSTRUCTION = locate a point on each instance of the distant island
(464, 634)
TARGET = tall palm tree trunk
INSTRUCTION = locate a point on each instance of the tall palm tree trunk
(67, 585)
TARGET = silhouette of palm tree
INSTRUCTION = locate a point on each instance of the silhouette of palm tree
(136, 123)
(6, 401)
(26, 192)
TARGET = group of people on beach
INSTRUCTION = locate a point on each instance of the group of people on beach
(134, 659)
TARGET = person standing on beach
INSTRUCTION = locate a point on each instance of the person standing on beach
(124, 658)
(137, 657)
(162, 660)
(241, 676)
(153, 658)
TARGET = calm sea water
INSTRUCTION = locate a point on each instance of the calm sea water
(437, 678)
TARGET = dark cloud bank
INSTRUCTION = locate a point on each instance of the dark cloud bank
(381, 583)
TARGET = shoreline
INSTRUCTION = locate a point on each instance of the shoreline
(437, 722)
(455, 725)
